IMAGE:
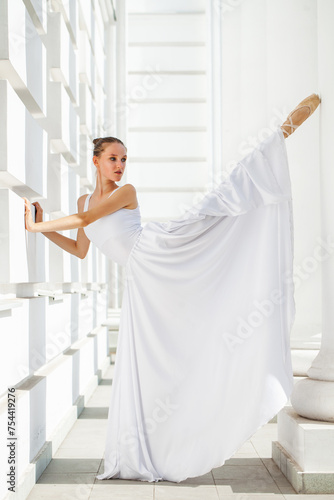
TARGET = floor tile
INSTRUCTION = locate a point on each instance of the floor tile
(240, 460)
(124, 482)
(263, 438)
(286, 488)
(240, 472)
(79, 452)
(114, 490)
(97, 426)
(94, 413)
(106, 382)
(100, 399)
(259, 485)
(62, 486)
(247, 450)
(68, 478)
(309, 497)
(205, 479)
(279, 478)
(79, 442)
(263, 451)
(72, 465)
(249, 496)
(101, 468)
(185, 492)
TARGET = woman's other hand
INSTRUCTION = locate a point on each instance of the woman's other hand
(29, 223)
(38, 212)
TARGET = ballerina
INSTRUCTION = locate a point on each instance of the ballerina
(203, 355)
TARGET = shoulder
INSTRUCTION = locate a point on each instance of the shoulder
(128, 195)
(81, 201)
(128, 191)
(128, 188)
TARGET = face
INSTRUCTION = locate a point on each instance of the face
(112, 161)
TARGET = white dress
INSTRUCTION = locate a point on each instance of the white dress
(203, 356)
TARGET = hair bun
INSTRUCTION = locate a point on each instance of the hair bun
(100, 142)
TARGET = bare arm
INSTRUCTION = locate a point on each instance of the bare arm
(121, 199)
(78, 247)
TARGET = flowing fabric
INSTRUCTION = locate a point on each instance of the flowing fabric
(203, 356)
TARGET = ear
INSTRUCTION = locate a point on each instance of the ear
(95, 161)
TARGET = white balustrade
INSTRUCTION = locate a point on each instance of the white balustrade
(85, 110)
(22, 168)
(69, 11)
(85, 56)
(52, 304)
(14, 345)
(64, 138)
(22, 253)
(63, 57)
(23, 56)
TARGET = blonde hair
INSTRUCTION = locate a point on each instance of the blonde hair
(99, 144)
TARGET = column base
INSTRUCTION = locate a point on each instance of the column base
(314, 399)
(304, 452)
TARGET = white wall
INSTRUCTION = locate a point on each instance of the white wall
(265, 75)
(55, 97)
(167, 104)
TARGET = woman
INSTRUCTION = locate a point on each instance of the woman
(203, 357)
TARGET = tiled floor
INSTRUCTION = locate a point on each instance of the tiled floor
(249, 475)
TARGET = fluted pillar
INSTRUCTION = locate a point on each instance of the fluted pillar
(304, 449)
(214, 91)
(313, 397)
(117, 125)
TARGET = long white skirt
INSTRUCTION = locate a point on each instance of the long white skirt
(203, 357)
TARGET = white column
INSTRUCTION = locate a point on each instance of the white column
(121, 110)
(121, 71)
(110, 76)
(110, 127)
(313, 397)
(214, 91)
(304, 450)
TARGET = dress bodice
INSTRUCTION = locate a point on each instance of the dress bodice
(115, 234)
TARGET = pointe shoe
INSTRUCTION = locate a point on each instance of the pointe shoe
(301, 112)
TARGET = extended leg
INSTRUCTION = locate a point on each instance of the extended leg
(300, 113)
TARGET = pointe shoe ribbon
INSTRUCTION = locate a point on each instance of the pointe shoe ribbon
(301, 112)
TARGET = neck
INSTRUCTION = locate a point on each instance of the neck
(104, 186)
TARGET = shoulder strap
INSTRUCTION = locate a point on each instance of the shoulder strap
(86, 202)
(112, 192)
